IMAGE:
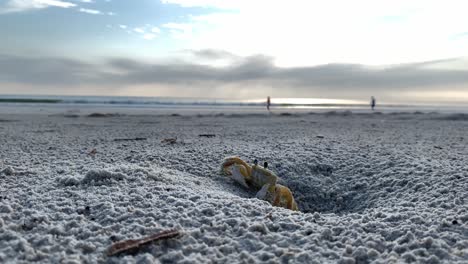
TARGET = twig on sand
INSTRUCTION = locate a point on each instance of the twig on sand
(169, 140)
(130, 139)
(135, 244)
(102, 115)
(207, 135)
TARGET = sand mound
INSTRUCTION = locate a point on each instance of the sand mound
(102, 177)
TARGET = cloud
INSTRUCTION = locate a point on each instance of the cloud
(149, 36)
(180, 30)
(90, 11)
(212, 54)
(13, 6)
(253, 76)
(156, 30)
(25, 5)
(147, 32)
(212, 57)
(207, 3)
(23, 70)
(139, 30)
(313, 32)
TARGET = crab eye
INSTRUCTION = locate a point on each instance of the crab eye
(255, 162)
(265, 165)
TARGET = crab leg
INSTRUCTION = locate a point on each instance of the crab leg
(283, 192)
(264, 191)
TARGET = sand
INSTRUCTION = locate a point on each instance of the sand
(372, 188)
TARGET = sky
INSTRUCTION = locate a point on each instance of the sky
(398, 51)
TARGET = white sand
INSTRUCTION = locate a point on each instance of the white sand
(373, 188)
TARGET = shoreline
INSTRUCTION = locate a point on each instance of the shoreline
(191, 110)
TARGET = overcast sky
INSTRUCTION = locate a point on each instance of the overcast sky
(396, 50)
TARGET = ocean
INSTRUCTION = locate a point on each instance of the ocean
(178, 104)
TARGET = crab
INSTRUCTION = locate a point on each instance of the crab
(260, 179)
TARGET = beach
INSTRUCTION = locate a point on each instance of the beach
(372, 187)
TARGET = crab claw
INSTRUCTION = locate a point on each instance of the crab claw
(238, 176)
(283, 198)
(230, 161)
(241, 172)
(278, 195)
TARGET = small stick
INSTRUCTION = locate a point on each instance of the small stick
(129, 139)
(207, 135)
(130, 244)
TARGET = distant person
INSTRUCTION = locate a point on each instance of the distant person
(372, 102)
(268, 103)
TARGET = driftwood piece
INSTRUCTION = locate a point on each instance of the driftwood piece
(134, 244)
(130, 139)
(207, 135)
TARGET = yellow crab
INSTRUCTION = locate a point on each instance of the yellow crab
(261, 180)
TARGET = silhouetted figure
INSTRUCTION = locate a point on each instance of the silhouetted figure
(268, 103)
(372, 102)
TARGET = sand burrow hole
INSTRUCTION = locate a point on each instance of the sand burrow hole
(317, 189)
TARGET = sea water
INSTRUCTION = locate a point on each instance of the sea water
(16, 103)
